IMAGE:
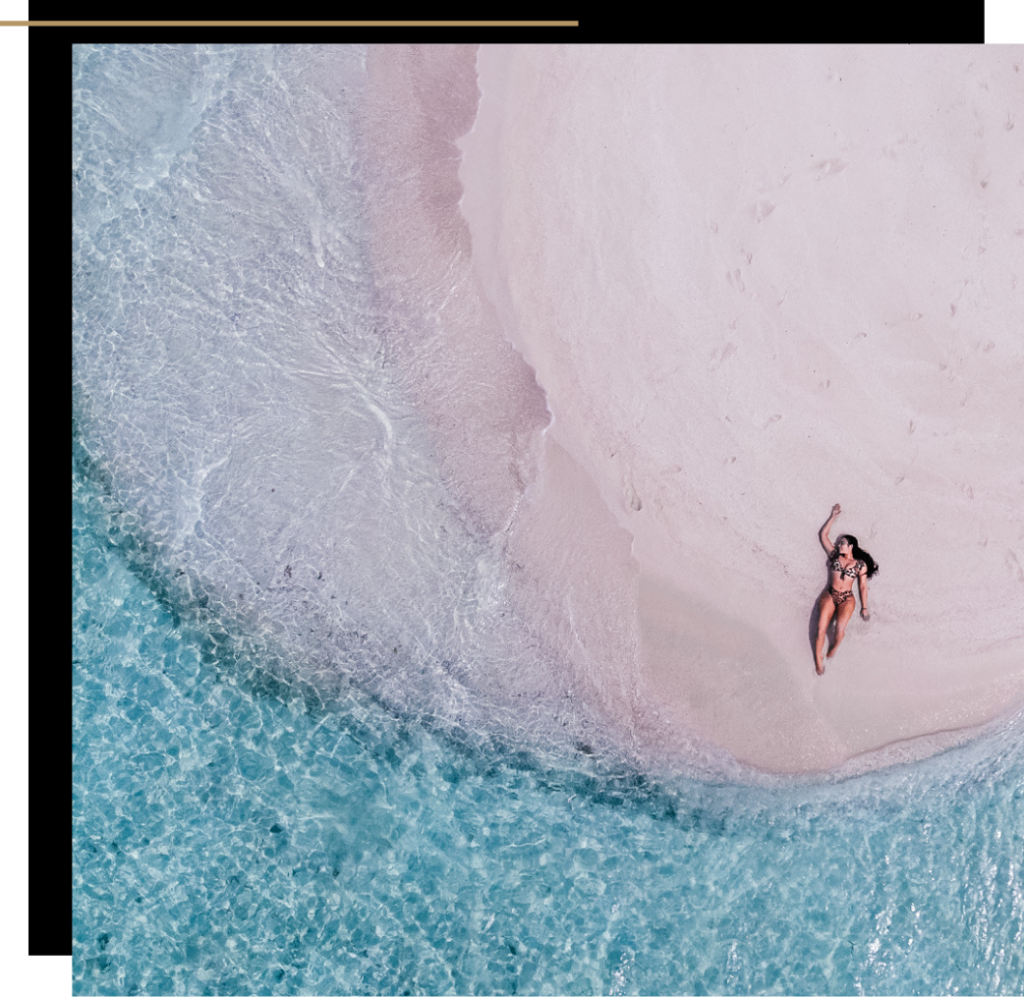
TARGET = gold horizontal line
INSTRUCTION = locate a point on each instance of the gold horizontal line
(289, 24)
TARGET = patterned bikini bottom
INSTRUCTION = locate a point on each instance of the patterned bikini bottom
(839, 597)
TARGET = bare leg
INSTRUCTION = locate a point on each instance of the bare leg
(842, 618)
(826, 607)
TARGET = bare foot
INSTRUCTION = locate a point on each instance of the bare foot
(819, 667)
(831, 652)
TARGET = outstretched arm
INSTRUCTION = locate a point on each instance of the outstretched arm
(862, 580)
(823, 532)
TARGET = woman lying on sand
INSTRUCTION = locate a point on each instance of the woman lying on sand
(846, 562)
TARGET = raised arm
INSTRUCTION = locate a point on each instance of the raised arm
(823, 532)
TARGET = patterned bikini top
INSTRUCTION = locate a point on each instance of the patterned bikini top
(850, 572)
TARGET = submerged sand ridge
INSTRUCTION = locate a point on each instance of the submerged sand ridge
(751, 283)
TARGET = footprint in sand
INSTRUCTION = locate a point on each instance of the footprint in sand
(735, 278)
(829, 168)
(720, 355)
(632, 499)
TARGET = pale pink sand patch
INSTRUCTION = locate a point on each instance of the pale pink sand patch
(754, 282)
(751, 282)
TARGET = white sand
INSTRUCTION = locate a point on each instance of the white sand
(749, 282)
(753, 282)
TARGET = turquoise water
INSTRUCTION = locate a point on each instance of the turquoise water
(234, 836)
(314, 751)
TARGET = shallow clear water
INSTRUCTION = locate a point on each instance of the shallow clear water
(300, 762)
(232, 836)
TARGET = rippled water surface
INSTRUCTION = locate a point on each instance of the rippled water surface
(234, 836)
(313, 751)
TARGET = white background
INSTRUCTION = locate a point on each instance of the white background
(1004, 22)
(35, 976)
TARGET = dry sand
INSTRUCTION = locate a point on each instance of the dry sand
(752, 282)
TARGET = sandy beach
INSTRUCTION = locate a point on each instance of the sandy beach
(700, 294)
(452, 429)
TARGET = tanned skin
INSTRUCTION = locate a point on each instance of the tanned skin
(841, 583)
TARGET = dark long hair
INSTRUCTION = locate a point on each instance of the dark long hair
(859, 555)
